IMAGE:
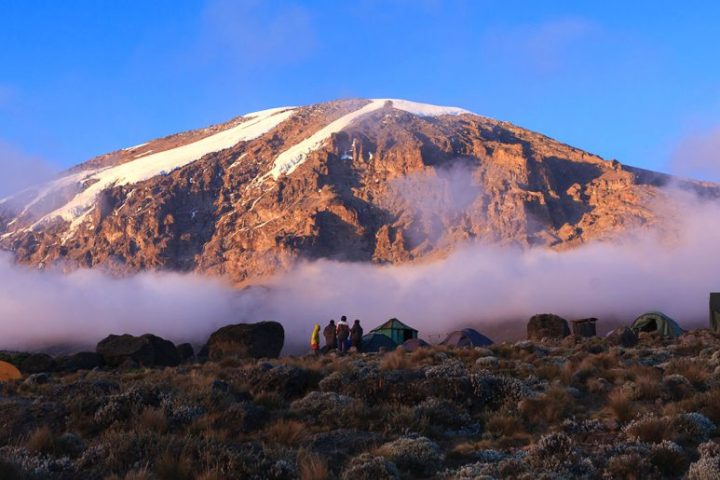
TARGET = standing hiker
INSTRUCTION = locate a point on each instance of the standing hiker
(330, 336)
(315, 339)
(356, 333)
(343, 333)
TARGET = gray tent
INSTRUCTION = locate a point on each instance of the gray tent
(373, 342)
(467, 337)
(657, 322)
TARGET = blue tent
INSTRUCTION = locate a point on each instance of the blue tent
(467, 337)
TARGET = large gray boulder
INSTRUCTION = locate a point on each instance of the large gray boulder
(247, 340)
(547, 325)
(147, 350)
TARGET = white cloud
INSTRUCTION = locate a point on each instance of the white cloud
(255, 33)
(543, 47)
(19, 170)
(698, 155)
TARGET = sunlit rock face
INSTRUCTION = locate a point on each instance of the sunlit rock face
(382, 180)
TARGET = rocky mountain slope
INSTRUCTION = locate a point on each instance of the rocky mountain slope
(357, 180)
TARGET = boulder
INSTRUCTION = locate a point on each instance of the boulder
(79, 361)
(186, 351)
(247, 340)
(623, 336)
(37, 363)
(147, 350)
(547, 325)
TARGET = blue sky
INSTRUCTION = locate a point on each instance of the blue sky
(637, 81)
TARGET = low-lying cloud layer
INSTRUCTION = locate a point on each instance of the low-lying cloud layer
(490, 288)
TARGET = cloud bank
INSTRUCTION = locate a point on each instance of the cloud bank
(20, 170)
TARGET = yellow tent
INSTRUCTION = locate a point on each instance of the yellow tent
(9, 372)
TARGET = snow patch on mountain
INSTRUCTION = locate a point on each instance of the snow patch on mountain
(290, 159)
(149, 166)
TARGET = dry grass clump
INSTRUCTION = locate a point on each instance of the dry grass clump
(649, 429)
(553, 406)
(285, 432)
(425, 355)
(629, 466)
(173, 466)
(707, 403)
(153, 419)
(504, 425)
(691, 369)
(669, 458)
(647, 388)
(41, 440)
(398, 359)
(547, 371)
(622, 408)
(270, 400)
(312, 466)
(139, 474)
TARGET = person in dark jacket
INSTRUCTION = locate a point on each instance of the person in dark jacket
(356, 333)
(343, 333)
(330, 335)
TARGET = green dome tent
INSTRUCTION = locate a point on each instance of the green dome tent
(395, 330)
(657, 322)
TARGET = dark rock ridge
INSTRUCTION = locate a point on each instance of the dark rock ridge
(360, 195)
(147, 350)
(247, 340)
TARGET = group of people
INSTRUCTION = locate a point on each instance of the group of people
(341, 336)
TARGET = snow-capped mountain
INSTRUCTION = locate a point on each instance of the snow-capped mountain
(382, 180)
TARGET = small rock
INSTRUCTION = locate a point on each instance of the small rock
(36, 379)
(487, 362)
(623, 337)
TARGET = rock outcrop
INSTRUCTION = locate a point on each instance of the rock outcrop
(547, 325)
(146, 350)
(247, 340)
(38, 363)
(80, 361)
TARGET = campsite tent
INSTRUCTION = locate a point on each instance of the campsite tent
(397, 331)
(373, 342)
(466, 337)
(8, 371)
(657, 322)
(413, 344)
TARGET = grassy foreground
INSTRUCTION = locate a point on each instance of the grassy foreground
(571, 409)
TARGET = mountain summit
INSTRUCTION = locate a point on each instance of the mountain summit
(381, 180)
